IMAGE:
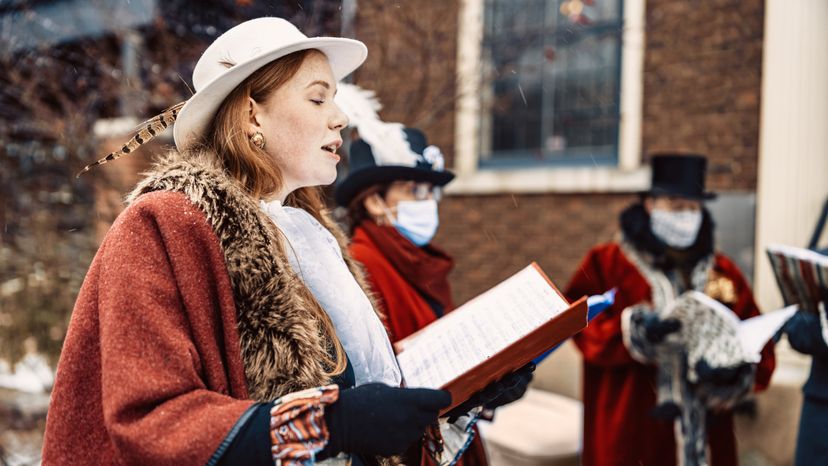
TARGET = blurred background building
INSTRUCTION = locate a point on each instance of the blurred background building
(546, 110)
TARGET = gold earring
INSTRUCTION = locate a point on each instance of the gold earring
(258, 139)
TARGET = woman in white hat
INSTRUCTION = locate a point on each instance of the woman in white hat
(221, 321)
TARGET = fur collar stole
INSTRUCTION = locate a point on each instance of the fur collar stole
(281, 339)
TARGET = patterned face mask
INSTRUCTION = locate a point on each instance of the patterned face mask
(676, 229)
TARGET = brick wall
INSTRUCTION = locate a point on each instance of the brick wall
(494, 236)
(702, 83)
(412, 48)
(701, 93)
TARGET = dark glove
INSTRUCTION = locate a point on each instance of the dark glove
(656, 329)
(805, 334)
(722, 375)
(722, 388)
(504, 391)
(375, 419)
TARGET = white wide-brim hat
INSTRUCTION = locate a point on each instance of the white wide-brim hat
(248, 47)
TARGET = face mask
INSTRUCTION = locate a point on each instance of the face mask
(417, 220)
(676, 229)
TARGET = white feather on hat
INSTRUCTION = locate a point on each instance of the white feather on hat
(387, 140)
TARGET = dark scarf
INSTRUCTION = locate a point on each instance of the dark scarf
(425, 268)
(635, 225)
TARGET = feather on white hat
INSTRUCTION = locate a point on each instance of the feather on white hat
(385, 151)
(387, 139)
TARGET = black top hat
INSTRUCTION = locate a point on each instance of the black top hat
(366, 172)
(679, 175)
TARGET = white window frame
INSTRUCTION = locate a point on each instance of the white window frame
(627, 176)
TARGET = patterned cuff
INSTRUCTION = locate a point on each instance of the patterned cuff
(297, 425)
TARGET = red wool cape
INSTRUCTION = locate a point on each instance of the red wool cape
(189, 312)
(157, 375)
(618, 391)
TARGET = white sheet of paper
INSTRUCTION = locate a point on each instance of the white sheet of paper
(479, 329)
(755, 332)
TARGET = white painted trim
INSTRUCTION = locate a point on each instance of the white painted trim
(632, 85)
(549, 180)
(469, 70)
(629, 175)
(105, 128)
(108, 127)
(793, 166)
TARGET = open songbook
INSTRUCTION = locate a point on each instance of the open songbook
(753, 333)
(802, 275)
(490, 336)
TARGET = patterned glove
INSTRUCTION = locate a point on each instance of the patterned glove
(656, 329)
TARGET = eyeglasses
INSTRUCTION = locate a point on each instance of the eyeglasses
(420, 191)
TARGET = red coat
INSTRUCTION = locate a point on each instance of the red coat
(150, 371)
(404, 308)
(185, 319)
(618, 391)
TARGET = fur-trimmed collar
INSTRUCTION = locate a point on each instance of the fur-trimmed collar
(635, 228)
(282, 344)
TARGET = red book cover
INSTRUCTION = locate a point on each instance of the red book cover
(491, 335)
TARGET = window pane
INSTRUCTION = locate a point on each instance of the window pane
(551, 81)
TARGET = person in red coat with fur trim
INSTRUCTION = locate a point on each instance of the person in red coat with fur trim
(665, 249)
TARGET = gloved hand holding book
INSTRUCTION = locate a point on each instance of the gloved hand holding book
(504, 391)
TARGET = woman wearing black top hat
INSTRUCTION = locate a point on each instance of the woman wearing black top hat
(665, 249)
(392, 210)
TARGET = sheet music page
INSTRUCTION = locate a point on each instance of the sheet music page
(754, 333)
(479, 329)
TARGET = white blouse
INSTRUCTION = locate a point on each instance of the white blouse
(315, 256)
